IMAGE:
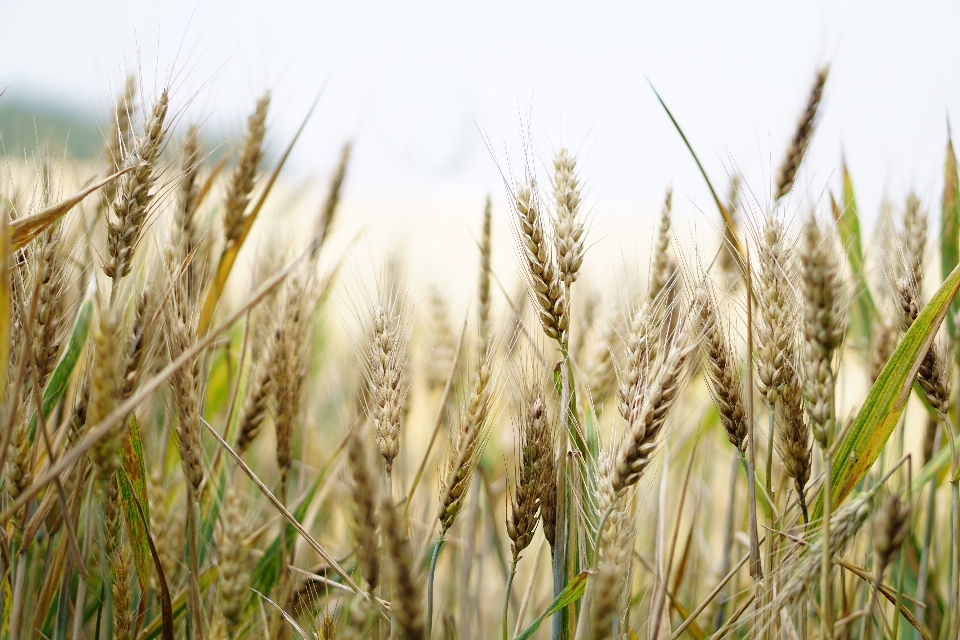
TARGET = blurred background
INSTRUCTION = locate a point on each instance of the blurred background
(440, 98)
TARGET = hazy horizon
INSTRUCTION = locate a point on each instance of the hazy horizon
(424, 88)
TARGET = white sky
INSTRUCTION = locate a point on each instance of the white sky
(419, 85)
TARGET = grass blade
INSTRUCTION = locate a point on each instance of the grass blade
(71, 355)
(570, 594)
(230, 253)
(888, 397)
(132, 480)
(950, 227)
(29, 227)
(846, 214)
(723, 210)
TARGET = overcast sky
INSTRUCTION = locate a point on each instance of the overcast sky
(425, 87)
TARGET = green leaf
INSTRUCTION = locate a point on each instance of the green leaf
(950, 227)
(888, 397)
(25, 229)
(212, 514)
(570, 594)
(61, 374)
(848, 225)
(232, 250)
(132, 480)
(137, 533)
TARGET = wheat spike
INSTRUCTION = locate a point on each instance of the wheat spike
(641, 350)
(722, 372)
(541, 266)
(776, 348)
(891, 528)
(664, 266)
(914, 240)
(648, 419)
(802, 136)
(123, 615)
(465, 448)
(329, 210)
(933, 376)
(234, 575)
(407, 609)
(365, 519)
(134, 194)
(244, 174)
(823, 327)
(483, 289)
(569, 230)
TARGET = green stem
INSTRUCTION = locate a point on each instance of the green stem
(433, 570)
(954, 558)
(506, 596)
(924, 572)
(826, 599)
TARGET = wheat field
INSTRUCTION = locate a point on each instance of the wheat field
(226, 417)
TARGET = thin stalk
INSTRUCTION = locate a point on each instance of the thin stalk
(826, 599)
(529, 590)
(18, 585)
(901, 563)
(954, 585)
(78, 608)
(433, 570)
(559, 619)
(506, 596)
(923, 576)
(63, 604)
(954, 558)
(388, 590)
(193, 586)
(756, 571)
(768, 589)
(727, 541)
(468, 553)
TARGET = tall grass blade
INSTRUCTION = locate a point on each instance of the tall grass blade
(71, 355)
(888, 397)
(950, 227)
(847, 216)
(29, 227)
(230, 254)
(570, 594)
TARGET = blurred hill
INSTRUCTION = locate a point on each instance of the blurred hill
(30, 124)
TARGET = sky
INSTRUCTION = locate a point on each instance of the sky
(442, 98)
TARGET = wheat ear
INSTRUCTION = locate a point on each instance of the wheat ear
(244, 174)
(802, 136)
(134, 194)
